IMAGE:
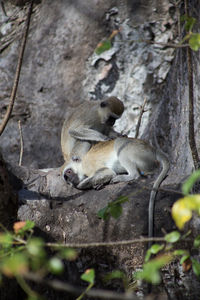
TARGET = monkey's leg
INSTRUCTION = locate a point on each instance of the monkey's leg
(88, 134)
(101, 177)
(131, 169)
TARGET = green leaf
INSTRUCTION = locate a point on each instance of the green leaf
(183, 18)
(150, 272)
(14, 265)
(197, 242)
(184, 258)
(55, 265)
(189, 22)
(115, 210)
(180, 252)
(69, 254)
(103, 46)
(29, 225)
(88, 276)
(194, 43)
(196, 267)
(21, 227)
(35, 247)
(117, 274)
(188, 184)
(155, 248)
(103, 213)
(148, 255)
(172, 237)
(6, 240)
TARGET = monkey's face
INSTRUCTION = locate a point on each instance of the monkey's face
(110, 110)
(110, 121)
(71, 177)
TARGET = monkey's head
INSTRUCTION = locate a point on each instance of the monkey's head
(71, 177)
(110, 110)
(70, 173)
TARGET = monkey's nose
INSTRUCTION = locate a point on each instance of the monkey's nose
(65, 177)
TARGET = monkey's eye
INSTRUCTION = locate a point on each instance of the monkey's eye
(103, 104)
(68, 171)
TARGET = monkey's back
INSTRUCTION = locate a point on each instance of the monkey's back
(98, 157)
(76, 120)
(138, 151)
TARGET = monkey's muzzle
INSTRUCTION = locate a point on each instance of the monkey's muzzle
(71, 177)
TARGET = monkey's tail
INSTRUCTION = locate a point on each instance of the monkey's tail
(162, 158)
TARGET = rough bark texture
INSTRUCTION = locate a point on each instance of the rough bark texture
(61, 70)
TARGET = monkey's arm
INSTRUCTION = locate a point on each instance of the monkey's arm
(88, 134)
(112, 134)
(102, 176)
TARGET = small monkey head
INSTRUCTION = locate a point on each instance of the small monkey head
(110, 110)
(72, 173)
(71, 177)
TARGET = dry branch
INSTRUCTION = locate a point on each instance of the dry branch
(18, 70)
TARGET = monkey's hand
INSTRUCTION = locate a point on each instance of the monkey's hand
(85, 184)
(88, 134)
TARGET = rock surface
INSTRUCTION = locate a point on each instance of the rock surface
(60, 70)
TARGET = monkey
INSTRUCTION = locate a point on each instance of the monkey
(119, 160)
(91, 122)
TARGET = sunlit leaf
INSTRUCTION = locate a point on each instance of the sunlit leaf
(55, 265)
(194, 41)
(69, 254)
(103, 46)
(151, 269)
(184, 258)
(35, 247)
(181, 213)
(14, 265)
(114, 274)
(197, 242)
(188, 184)
(23, 226)
(196, 267)
(155, 248)
(88, 276)
(6, 240)
(180, 252)
(172, 237)
(182, 209)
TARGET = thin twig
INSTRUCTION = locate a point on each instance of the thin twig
(3, 8)
(106, 244)
(21, 143)
(18, 70)
(140, 117)
(69, 288)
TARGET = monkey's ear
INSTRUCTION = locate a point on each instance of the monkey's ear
(103, 104)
